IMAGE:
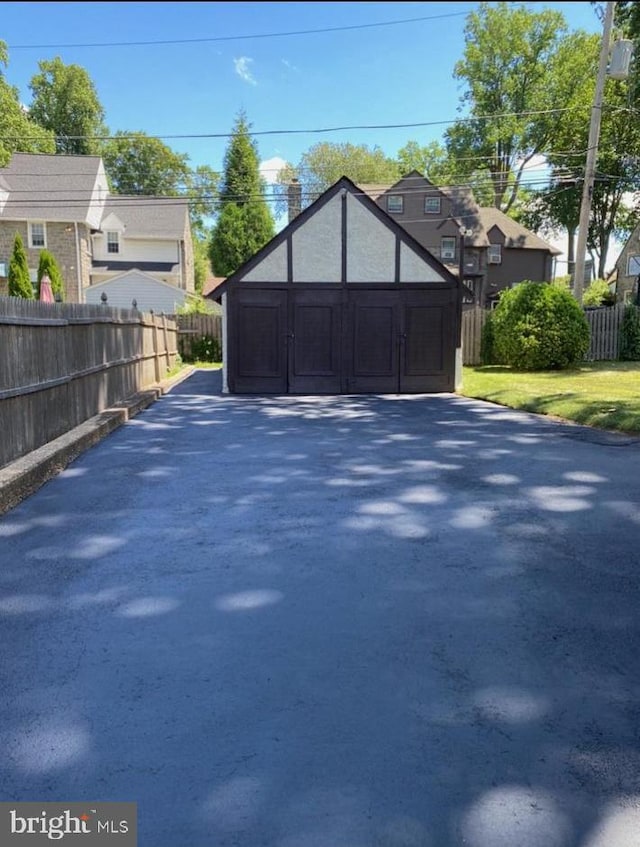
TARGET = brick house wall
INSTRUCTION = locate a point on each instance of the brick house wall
(625, 287)
(61, 241)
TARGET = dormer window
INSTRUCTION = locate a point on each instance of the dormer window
(432, 205)
(395, 204)
(113, 242)
(37, 235)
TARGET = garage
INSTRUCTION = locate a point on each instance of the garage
(342, 301)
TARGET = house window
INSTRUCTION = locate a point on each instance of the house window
(395, 204)
(37, 235)
(633, 266)
(448, 247)
(113, 242)
(494, 254)
(432, 205)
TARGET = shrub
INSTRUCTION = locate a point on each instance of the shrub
(487, 341)
(539, 327)
(196, 305)
(19, 281)
(630, 334)
(598, 294)
(204, 348)
(49, 266)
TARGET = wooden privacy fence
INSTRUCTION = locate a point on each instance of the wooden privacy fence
(604, 324)
(60, 364)
(193, 327)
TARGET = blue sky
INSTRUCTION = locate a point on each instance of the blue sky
(396, 74)
(381, 75)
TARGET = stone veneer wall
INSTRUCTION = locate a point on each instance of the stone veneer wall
(59, 242)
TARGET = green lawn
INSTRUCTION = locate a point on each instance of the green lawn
(602, 394)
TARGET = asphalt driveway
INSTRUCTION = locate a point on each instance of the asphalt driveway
(331, 622)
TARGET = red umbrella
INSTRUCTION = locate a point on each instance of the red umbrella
(46, 292)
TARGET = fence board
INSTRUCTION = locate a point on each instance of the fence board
(473, 321)
(194, 327)
(62, 363)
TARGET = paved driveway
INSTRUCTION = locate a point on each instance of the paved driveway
(336, 622)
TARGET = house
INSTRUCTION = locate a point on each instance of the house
(627, 270)
(53, 202)
(497, 251)
(343, 300)
(125, 247)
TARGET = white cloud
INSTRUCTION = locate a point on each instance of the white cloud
(243, 70)
(269, 169)
(290, 65)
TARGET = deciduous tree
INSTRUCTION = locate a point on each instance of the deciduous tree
(18, 134)
(66, 103)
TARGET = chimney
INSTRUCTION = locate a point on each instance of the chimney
(294, 199)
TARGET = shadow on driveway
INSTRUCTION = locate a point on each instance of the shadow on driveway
(399, 621)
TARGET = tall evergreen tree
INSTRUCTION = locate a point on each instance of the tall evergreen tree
(49, 266)
(19, 279)
(245, 223)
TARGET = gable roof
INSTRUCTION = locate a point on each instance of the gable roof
(515, 235)
(49, 187)
(343, 184)
(148, 217)
(464, 209)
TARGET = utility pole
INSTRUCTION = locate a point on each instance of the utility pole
(592, 154)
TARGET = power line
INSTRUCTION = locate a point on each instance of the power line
(313, 131)
(223, 38)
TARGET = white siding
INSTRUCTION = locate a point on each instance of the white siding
(371, 246)
(225, 348)
(149, 293)
(273, 268)
(415, 269)
(317, 255)
(137, 250)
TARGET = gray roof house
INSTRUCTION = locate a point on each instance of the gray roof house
(62, 203)
(498, 252)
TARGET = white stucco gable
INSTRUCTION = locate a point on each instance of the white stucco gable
(343, 238)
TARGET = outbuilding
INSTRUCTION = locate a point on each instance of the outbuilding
(342, 301)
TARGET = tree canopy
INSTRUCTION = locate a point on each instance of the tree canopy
(324, 163)
(65, 102)
(18, 133)
(516, 78)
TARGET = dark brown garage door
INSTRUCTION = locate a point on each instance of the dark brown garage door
(331, 341)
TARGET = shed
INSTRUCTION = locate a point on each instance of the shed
(342, 301)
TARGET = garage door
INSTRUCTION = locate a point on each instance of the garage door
(319, 341)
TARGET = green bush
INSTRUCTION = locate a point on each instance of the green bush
(539, 327)
(598, 294)
(487, 341)
(204, 348)
(630, 334)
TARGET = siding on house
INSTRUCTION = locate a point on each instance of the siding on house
(149, 293)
